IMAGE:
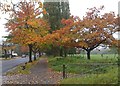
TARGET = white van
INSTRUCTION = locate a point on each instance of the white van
(14, 54)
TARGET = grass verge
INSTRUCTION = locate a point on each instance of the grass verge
(111, 77)
(98, 70)
(19, 68)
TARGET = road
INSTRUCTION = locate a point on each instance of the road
(9, 64)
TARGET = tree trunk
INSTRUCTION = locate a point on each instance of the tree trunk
(88, 54)
(39, 54)
(61, 51)
(34, 56)
(30, 52)
(5, 53)
(11, 53)
(65, 52)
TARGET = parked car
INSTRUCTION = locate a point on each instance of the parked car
(23, 56)
(15, 54)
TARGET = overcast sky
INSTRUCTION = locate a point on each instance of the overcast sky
(77, 8)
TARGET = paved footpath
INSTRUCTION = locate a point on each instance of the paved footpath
(40, 74)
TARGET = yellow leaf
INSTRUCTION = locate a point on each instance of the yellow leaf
(40, 4)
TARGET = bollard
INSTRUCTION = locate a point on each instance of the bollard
(63, 71)
(24, 66)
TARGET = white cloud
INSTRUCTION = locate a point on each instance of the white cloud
(79, 7)
(117, 35)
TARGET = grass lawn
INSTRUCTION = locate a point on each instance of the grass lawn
(111, 77)
(98, 66)
(79, 64)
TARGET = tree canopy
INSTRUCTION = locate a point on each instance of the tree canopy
(28, 28)
(25, 26)
(87, 33)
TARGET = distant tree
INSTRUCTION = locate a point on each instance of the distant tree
(7, 49)
(24, 49)
(115, 49)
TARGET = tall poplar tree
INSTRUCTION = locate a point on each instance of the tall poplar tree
(56, 11)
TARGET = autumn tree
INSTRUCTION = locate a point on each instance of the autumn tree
(55, 12)
(24, 49)
(93, 30)
(99, 29)
(26, 26)
(62, 37)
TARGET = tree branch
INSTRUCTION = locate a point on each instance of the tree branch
(97, 44)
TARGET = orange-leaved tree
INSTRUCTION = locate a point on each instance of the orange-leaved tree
(26, 25)
(24, 49)
(62, 37)
(93, 30)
